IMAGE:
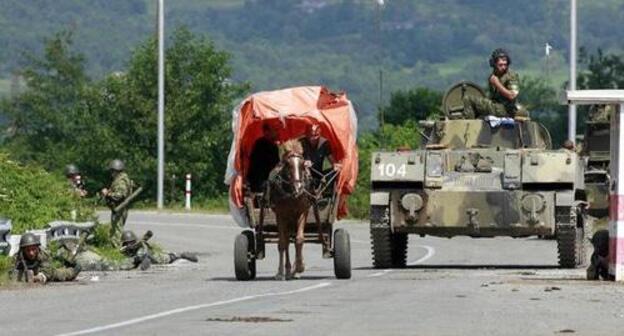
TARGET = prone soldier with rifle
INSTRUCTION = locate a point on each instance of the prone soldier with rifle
(142, 255)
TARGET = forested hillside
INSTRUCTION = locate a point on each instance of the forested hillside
(276, 43)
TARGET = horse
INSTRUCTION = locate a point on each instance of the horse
(291, 196)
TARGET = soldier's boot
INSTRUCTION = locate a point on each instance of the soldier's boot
(75, 271)
(145, 264)
(592, 272)
(192, 257)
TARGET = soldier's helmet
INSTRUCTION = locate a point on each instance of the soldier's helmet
(71, 169)
(29, 239)
(128, 237)
(499, 53)
(116, 165)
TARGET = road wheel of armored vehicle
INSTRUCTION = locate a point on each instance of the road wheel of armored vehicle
(572, 242)
(244, 256)
(342, 254)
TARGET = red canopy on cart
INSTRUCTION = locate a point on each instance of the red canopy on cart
(289, 112)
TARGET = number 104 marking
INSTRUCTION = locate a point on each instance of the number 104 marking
(390, 170)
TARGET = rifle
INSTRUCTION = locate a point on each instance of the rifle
(24, 272)
(73, 252)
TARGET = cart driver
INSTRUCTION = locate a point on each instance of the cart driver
(316, 149)
(264, 157)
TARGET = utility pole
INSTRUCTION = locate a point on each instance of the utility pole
(380, 3)
(161, 102)
(572, 106)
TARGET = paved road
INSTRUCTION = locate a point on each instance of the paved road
(457, 286)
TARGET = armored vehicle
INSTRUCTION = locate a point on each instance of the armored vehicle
(595, 149)
(481, 178)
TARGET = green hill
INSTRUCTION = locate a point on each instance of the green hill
(277, 43)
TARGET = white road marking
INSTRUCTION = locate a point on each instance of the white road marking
(360, 241)
(430, 253)
(190, 308)
(378, 274)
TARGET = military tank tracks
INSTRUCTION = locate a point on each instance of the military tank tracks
(573, 230)
(389, 249)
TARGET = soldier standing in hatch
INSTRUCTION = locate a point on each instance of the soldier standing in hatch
(35, 265)
(120, 188)
(503, 90)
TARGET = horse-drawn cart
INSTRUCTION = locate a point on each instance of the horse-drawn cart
(290, 112)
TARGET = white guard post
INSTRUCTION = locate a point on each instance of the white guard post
(616, 189)
(187, 192)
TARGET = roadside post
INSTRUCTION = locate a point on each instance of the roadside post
(187, 192)
(616, 187)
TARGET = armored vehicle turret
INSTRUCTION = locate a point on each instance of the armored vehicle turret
(482, 177)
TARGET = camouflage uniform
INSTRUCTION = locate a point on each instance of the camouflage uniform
(119, 190)
(497, 104)
(91, 261)
(600, 113)
(141, 250)
(43, 268)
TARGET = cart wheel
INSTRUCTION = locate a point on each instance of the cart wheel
(342, 254)
(244, 256)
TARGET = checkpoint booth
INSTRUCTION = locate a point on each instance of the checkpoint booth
(616, 188)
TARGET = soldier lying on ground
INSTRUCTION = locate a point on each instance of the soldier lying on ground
(35, 265)
(143, 255)
(138, 253)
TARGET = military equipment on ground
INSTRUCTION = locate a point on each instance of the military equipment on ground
(596, 150)
(480, 178)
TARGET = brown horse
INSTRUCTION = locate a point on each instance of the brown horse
(290, 187)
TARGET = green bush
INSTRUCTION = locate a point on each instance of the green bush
(6, 264)
(31, 197)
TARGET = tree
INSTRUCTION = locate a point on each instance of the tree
(603, 71)
(541, 100)
(63, 117)
(198, 109)
(414, 104)
(43, 118)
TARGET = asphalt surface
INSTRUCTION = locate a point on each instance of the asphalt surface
(458, 286)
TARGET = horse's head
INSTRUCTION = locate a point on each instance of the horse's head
(294, 163)
(296, 169)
